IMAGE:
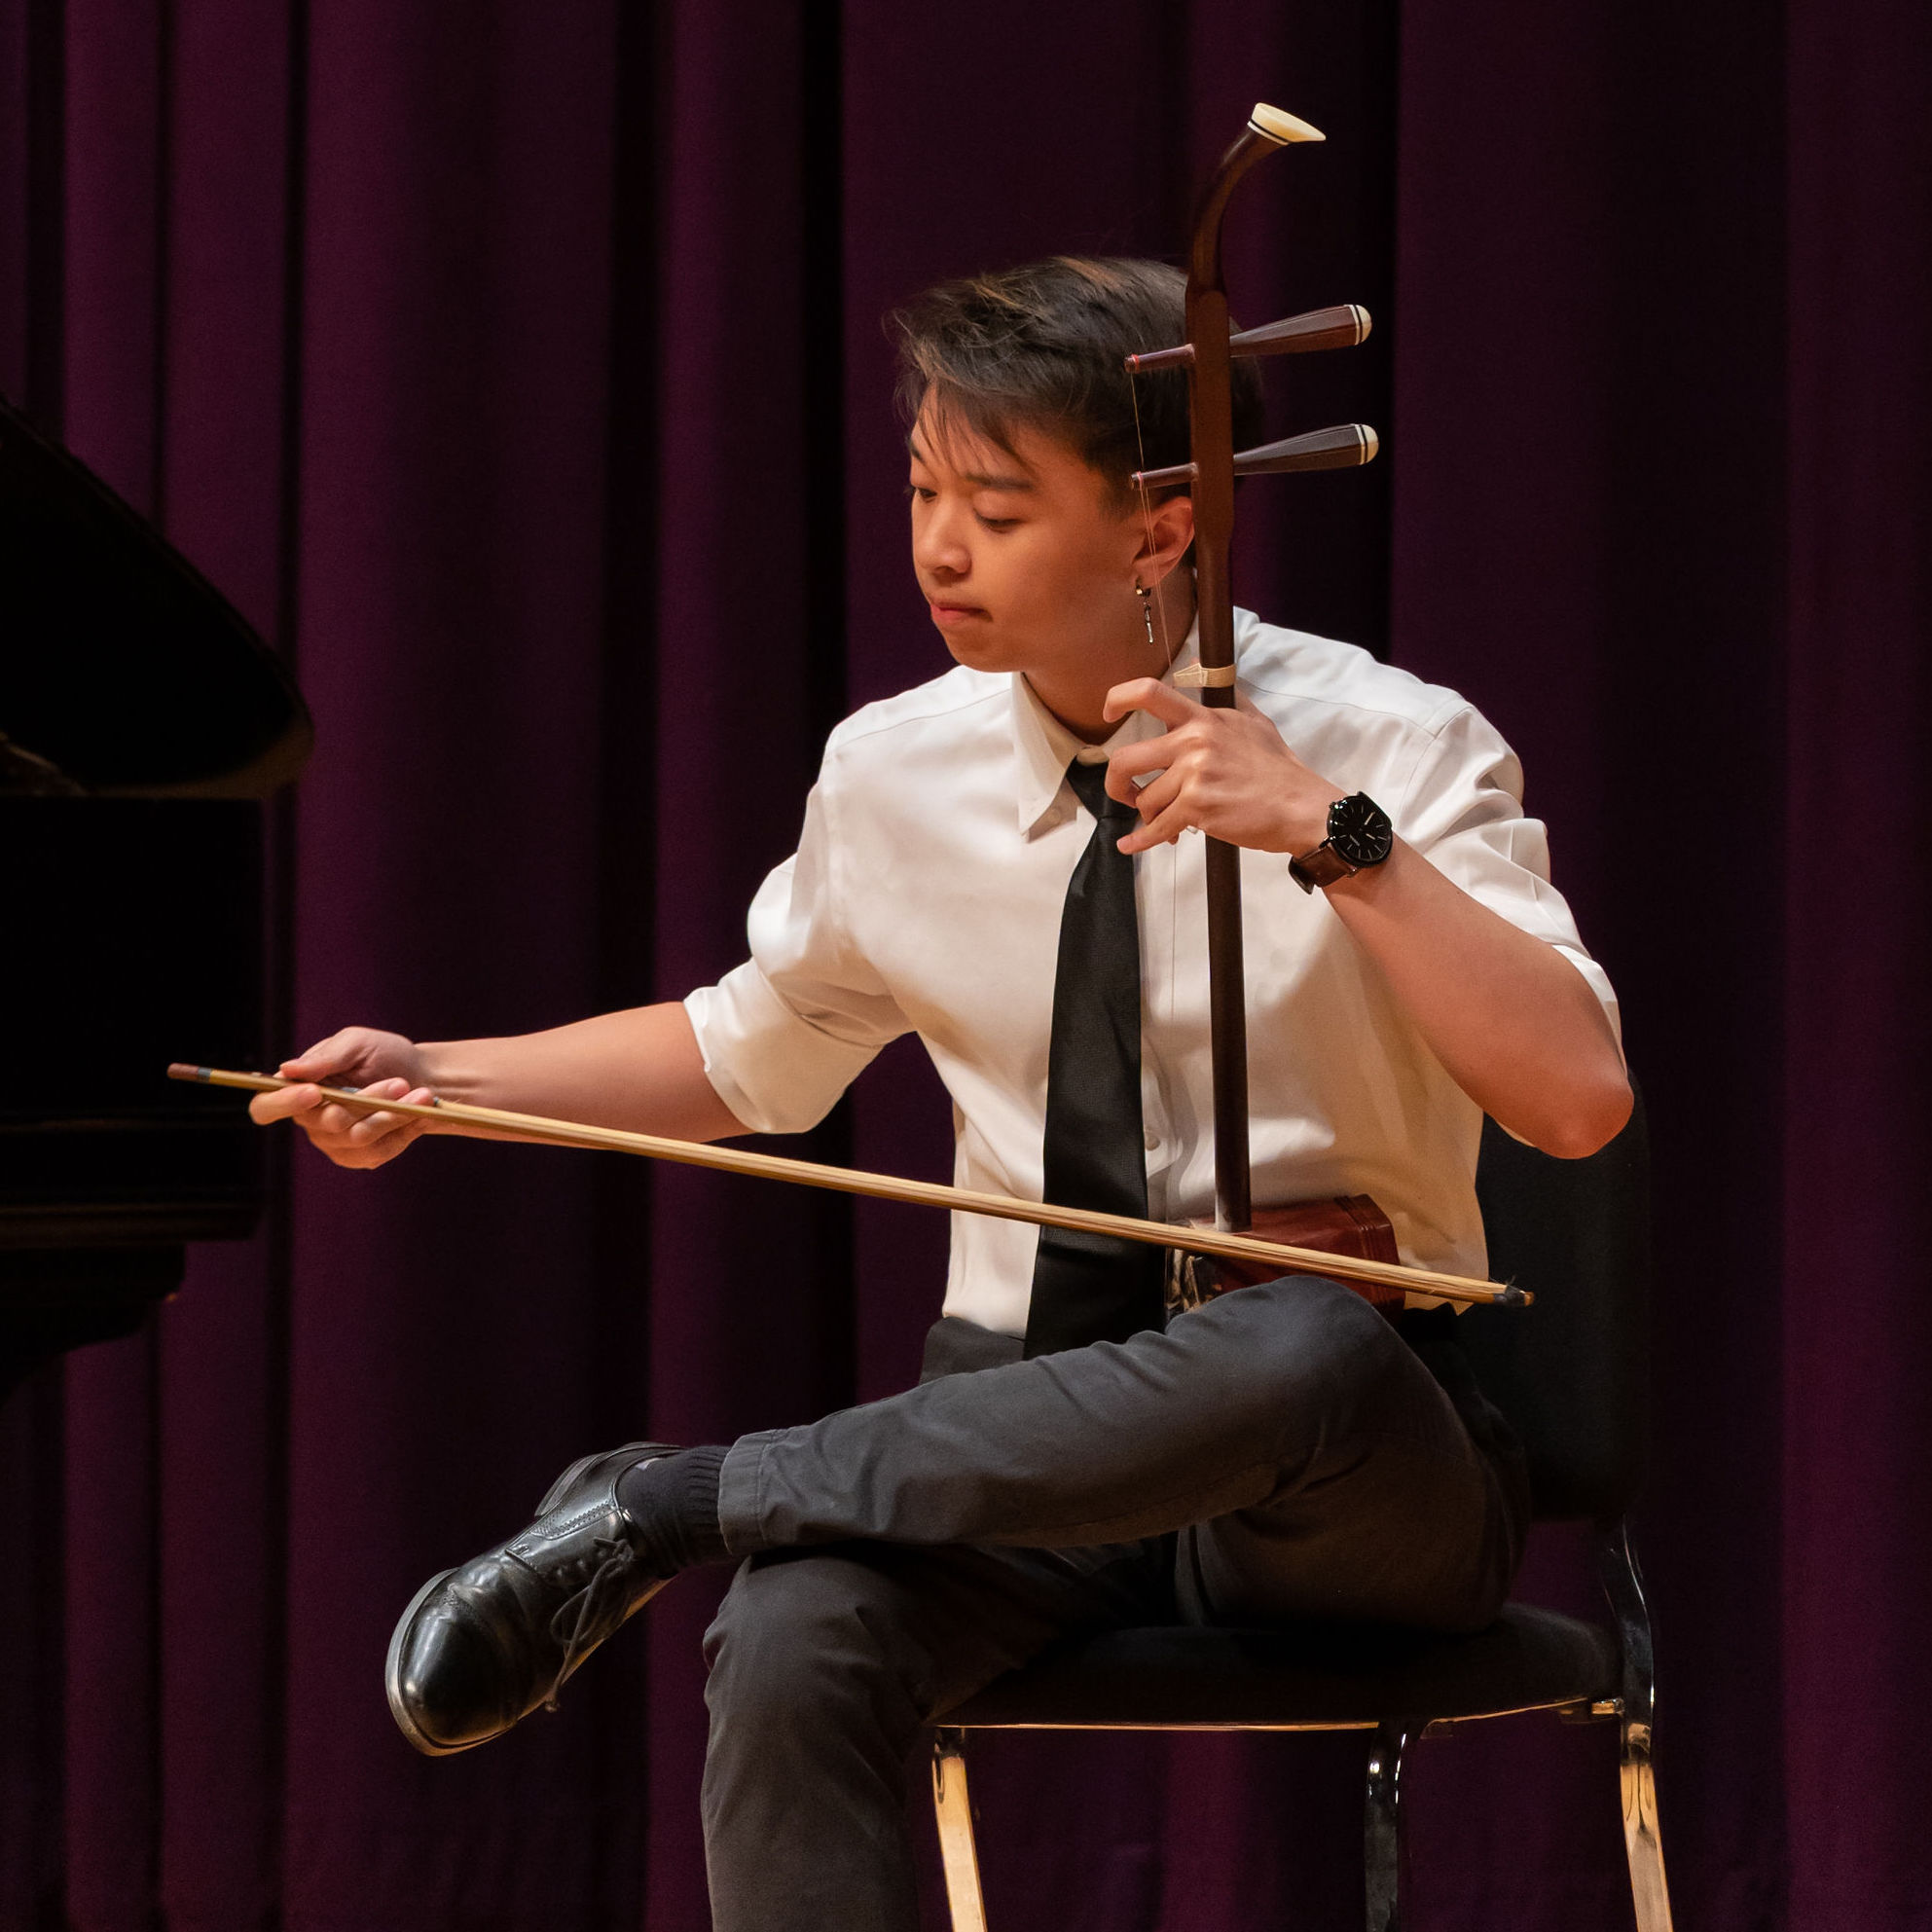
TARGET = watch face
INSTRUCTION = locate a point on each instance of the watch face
(1359, 829)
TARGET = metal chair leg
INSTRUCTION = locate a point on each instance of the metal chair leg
(1623, 1586)
(952, 1807)
(1382, 1835)
(1641, 1844)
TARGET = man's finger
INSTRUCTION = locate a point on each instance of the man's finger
(360, 1129)
(1161, 830)
(403, 1132)
(266, 1107)
(1148, 694)
(1136, 761)
(1157, 794)
(333, 1055)
(374, 1127)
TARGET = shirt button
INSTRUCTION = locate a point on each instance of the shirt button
(1152, 1141)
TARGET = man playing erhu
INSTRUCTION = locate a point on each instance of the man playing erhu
(1003, 861)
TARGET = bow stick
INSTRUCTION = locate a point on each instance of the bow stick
(1207, 357)
(889, 1188)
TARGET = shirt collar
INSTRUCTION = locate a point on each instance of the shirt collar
(1044, 747)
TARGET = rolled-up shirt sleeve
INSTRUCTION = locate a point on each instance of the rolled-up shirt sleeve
(787, 1032)
(1463, 807)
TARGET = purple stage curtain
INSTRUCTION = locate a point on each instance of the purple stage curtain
(518, 372)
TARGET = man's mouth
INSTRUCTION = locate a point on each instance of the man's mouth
(946, 611)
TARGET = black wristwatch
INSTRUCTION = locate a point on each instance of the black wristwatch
(1360, 835)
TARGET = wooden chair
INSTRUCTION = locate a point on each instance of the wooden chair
(1571, 1374)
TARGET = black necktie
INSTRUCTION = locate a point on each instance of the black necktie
(1089, 1287)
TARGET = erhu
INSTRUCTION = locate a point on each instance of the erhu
(1208, 356)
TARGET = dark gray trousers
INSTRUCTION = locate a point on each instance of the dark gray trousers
(1281, 1452)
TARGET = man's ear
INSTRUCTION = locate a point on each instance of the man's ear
(1168, 528)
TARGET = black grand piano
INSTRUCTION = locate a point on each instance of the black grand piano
(142, 723)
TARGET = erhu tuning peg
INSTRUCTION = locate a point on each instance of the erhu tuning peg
(1340, 327)
(1343, 327)
(1346, 446)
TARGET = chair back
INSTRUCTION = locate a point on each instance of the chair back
(1571, 1372)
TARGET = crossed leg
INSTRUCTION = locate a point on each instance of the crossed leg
(1281, 1452)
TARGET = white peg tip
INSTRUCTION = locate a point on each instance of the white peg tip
(1370, 442)
(1280, 125)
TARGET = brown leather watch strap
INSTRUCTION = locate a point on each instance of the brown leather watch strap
(1321, 868)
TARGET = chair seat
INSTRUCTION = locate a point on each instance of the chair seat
(1312, 1676)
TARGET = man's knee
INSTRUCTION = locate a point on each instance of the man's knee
(1300, 1339)
(808, 1631)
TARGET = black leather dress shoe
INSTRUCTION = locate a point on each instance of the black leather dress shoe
(480, 1647)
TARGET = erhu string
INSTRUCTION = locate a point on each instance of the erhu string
(1147, 513)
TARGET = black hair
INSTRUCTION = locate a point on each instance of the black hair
(1043, 346)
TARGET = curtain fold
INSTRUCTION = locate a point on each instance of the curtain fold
(519, 373)
(1857, 913)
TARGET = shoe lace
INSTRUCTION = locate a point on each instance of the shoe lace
(575, 1625)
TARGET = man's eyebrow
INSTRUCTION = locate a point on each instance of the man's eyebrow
(980, 480)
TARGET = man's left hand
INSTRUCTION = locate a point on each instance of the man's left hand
(1226, 773)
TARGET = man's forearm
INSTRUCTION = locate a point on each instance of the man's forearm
(1513, 1022)
(639, 1069)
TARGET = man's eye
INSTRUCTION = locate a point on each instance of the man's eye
(920, 491)
(1000, 522)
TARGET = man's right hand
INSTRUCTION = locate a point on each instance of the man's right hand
(378, 1063)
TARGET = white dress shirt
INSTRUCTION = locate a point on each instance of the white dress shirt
(926, 895)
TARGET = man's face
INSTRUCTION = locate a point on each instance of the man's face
(1025, 556)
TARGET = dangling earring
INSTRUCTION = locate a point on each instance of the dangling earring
(1147, 612)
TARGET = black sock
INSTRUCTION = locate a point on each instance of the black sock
(672, 1500)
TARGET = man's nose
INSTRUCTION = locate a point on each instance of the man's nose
(938, 543)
